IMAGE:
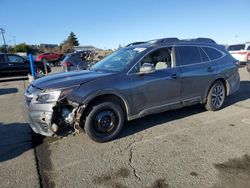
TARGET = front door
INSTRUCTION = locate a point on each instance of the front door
(155, 91)
(17, 65)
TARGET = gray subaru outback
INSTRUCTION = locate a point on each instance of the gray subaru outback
(141, 79)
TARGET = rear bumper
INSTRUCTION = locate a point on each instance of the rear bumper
(241, 58)
(233, 83)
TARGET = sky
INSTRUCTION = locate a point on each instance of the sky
(108, 23)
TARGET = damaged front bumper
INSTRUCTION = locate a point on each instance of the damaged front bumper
(40, 121)
(59, 118)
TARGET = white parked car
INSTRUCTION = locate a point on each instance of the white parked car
(241, 52)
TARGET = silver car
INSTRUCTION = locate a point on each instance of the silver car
(133, 82)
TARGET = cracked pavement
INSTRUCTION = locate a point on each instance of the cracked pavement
(189, 147)
(180, 148)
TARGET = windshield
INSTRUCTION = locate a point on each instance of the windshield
(119, 60)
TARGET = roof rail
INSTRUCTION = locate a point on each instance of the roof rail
(165, 40)
(169, 40)
(203, 40)
(172, 40)
(134, 43)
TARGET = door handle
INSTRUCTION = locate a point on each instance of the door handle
(210, 69)
(174, 76)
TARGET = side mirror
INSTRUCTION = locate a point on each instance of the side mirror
(146, 68)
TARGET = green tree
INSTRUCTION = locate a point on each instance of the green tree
(68, 44)
(22, 48)
(3, 48)
(72, 39)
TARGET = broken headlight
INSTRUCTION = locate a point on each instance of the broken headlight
(49, 96)
(53, 96)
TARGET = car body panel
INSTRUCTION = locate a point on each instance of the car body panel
(145, 87)
(67, 79)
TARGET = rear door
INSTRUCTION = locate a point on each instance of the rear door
(196, 70)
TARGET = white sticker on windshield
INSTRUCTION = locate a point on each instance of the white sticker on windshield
(139, 49)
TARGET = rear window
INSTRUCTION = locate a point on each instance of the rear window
(204, 56)
(236, 47)
(189, 55)
(2, 59)
(212, 53)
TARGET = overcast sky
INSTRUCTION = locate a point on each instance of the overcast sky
(108, 23)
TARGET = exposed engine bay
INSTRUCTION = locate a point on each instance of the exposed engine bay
(66, 118)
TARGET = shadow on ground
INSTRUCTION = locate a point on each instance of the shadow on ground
(5, 91)
(10, 79)
(147, 122)
(15, 139)
(241, 95)
(234, 173)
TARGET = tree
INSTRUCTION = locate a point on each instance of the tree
(72, 39)
(68, 44)
(22, 48)
(3, 48)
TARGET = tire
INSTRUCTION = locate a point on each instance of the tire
(104, 122)
(216, 96)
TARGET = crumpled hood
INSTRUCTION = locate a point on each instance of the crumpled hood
(67, 79)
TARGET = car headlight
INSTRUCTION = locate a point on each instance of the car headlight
(48, 97)
(53, 96)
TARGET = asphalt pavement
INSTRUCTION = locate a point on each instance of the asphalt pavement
(189, 147)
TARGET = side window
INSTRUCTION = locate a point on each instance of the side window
(15, 59)
(2, 59)
(204, 56)
(189, 55)
(248, 48)
(212, 53)
(159, 59)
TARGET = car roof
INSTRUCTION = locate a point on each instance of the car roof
(172, 41)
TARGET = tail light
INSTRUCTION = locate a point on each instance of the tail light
(248, 56)
(67, 64)
(242, 53)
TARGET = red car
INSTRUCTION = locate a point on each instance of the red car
(51, 57)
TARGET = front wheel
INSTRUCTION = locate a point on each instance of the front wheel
(104, 122)
(216, 96)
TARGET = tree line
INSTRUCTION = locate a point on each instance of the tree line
(66, 46)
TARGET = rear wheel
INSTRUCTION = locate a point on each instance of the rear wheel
(216, 96)
(104, 122)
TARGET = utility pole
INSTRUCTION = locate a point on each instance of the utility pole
(2, 32)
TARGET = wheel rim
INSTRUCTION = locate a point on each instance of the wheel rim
(105, 122)
(218, 96)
